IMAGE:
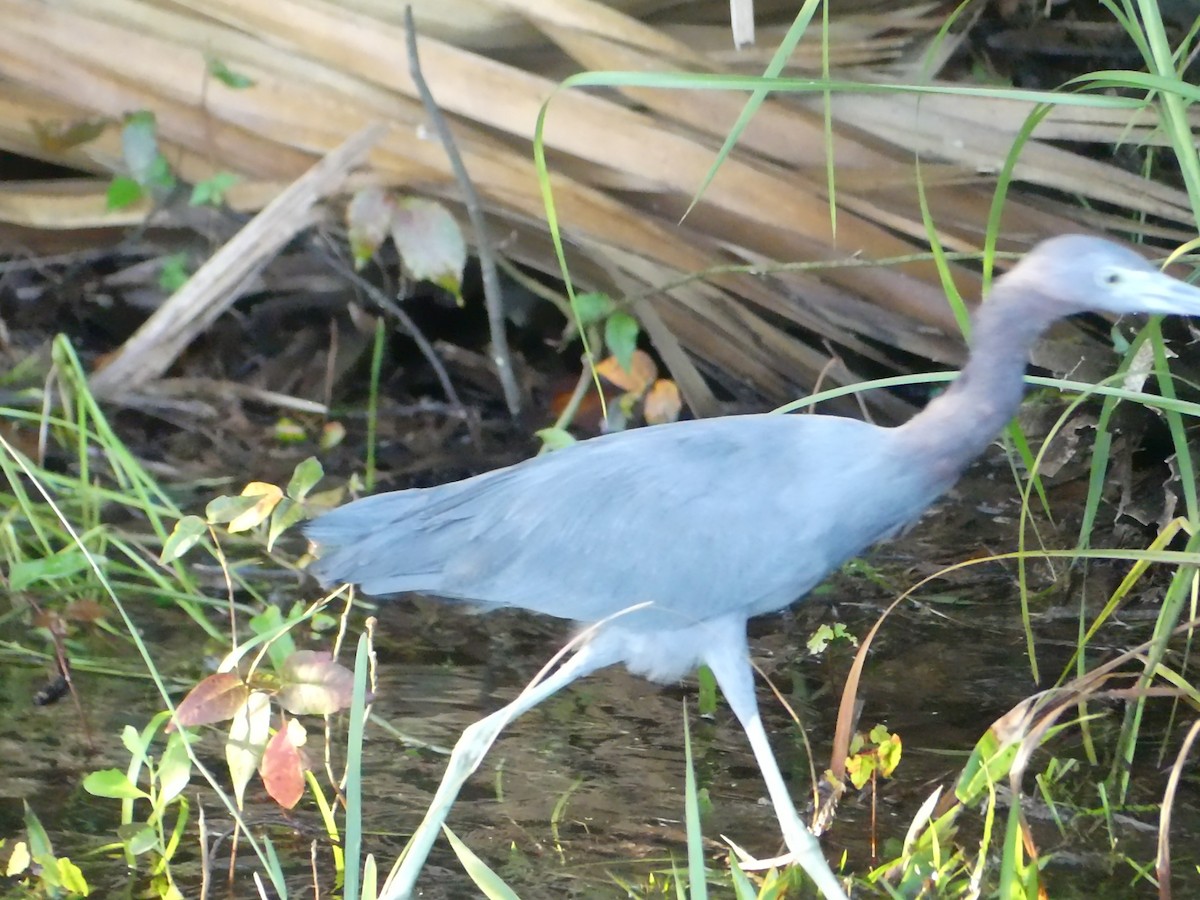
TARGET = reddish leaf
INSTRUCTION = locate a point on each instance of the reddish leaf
(51, 621)
(332, 434)
(85, 611)
(662, 403)
(215, 699)
(640, 375)
(313, 684)
(283, 769)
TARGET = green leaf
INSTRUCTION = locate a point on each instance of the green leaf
(139, 146)
(184, 536)
(826, 634)
(489, 883)
(859, 769)
(332, 435)
(289, 431)
(174, 769)
(212, 191)
(138, 837)
(691, 817)
(989, 762)
(620, 336)
(555, 438)
(593, 307)
(890, 752)
(70, 876)
(122, 193)
(286, 514)
(304, 478)
(227, 76)
(136, 744)
(743, 887)
(706, 702)
(141, 119)
(139, 149)
(113, 784)
(63, 564)
(322, 622)
(174, 272)
(40, 847)
(159, 174)
(269, 623)
(221, 510)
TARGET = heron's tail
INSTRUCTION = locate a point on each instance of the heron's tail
(381, 543)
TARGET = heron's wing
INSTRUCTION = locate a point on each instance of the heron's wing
(697, 519)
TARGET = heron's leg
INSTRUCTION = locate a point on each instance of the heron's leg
(468, 753)
(727, 659)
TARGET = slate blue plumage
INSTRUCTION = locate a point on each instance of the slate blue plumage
(711, 522)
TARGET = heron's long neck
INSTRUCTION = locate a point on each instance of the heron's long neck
(957, 426)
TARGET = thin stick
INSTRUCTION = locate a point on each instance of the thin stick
(567, 416)
(385, 303)
(741, 22)
(492, 296)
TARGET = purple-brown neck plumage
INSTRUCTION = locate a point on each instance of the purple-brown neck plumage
(957, 426)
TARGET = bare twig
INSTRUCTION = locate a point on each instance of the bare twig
(741, 21)
(385, 303)
(567, 416)
(487, 264)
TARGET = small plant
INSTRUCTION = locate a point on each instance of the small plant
(174, 273)
(872, 756)
(631, 371)
(263, 506)
(155, 780)
(149, 172)
(212, 191)
(33, 865)
(303, 682)
(307, 682)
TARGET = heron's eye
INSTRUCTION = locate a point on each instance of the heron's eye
(1111, 277)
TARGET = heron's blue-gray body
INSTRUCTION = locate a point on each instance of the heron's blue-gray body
(659, 516)
(712, 522)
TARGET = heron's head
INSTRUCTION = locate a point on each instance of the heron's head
(1084, 273)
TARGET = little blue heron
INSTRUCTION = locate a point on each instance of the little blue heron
(710, 522)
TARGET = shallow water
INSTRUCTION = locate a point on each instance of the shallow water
(587, 789)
